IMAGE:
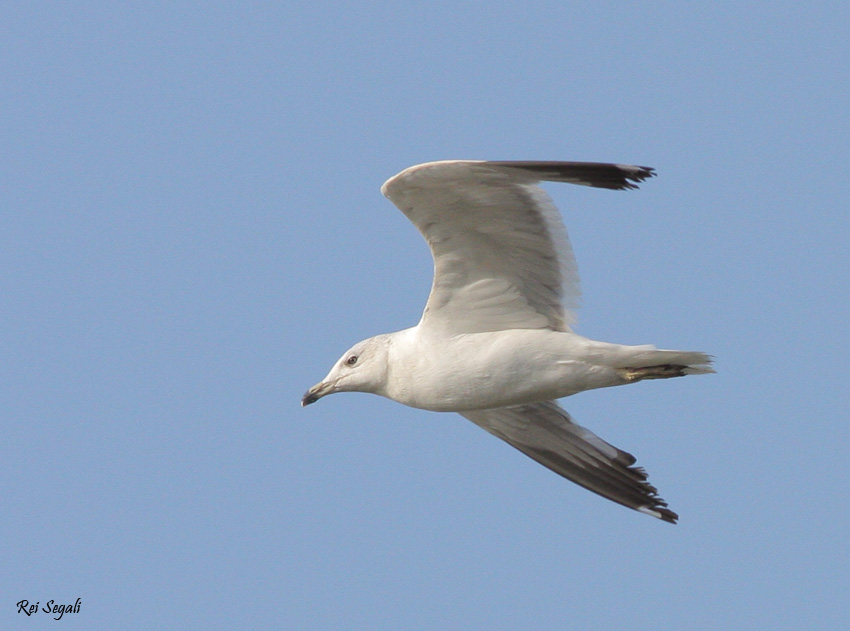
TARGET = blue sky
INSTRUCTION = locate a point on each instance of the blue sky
(192, 233)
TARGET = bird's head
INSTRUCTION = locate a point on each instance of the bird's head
(362, 368)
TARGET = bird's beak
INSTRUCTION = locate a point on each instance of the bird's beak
(317, 392)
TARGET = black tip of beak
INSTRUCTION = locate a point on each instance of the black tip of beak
(316, 392)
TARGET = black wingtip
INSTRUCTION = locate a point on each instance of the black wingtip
(617, 177)
(667, 515)
(635, 175)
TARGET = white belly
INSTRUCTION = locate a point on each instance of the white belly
(490, 370)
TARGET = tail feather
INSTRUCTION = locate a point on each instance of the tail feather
(694, 363)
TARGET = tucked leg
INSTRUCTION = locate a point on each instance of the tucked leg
(663, 371)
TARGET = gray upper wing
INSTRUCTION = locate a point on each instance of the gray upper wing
(546, 433)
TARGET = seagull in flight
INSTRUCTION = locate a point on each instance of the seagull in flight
(494, 343)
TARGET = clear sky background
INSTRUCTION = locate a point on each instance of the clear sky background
(192, 233)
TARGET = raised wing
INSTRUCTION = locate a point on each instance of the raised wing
(502, 258)
(546, 433)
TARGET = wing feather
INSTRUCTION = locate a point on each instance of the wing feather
(486, 221)
(547, 434)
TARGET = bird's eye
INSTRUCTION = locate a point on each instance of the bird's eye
(351, 360)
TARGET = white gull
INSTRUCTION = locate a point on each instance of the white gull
(494, 343)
